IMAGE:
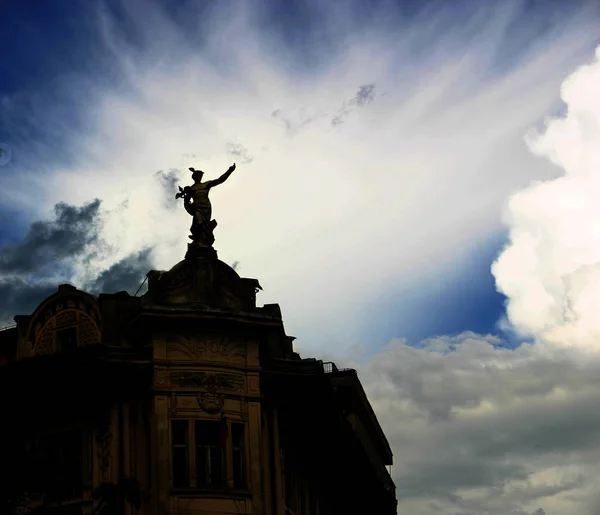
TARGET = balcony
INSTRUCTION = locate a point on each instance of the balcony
(329, 367)
(380, 469)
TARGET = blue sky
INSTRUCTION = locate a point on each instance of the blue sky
(412, 177)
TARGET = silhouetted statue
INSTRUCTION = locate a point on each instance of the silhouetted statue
(197, 204)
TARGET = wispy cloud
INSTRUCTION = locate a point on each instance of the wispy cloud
(407, 180)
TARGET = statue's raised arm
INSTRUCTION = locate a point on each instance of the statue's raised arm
(223, 177)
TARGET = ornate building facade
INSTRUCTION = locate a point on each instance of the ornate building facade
(188, 400)
(195, 393)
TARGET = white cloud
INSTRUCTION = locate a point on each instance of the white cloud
(550, 270)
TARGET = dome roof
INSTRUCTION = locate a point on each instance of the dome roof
(201, 281)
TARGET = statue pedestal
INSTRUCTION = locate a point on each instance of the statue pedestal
(200, 251)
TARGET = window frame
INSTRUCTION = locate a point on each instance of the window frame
(227, 453)
(59, 344)
(243, 446)
(207, 450)
(190, 475)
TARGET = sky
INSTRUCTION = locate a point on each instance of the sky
(416, 186)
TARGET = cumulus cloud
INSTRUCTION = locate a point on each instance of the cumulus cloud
(550, 270)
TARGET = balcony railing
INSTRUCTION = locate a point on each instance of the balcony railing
(329, 367)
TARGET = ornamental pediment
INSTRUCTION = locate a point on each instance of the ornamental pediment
(64, 321)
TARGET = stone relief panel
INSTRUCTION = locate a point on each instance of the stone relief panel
(253, 384)
(203, 345)
(208, 381)
(212, 506)
(187, 402)
(209, 402)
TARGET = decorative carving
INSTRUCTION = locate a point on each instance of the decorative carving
(103, 446)
(180, 347)
(191, 346)
(244, 410)
(59, 316)
(66, 308)
(66, 318)
(45, 341)
(208, 381)
(217, 345)
(160, 377)
(210, 402)
(88, 330)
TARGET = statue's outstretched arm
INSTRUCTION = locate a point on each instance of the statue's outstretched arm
(223, 177)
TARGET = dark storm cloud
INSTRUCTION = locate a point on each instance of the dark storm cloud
(19, 297)
(72, 232)
(240, 152)
(125, 275)
(32, 269)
